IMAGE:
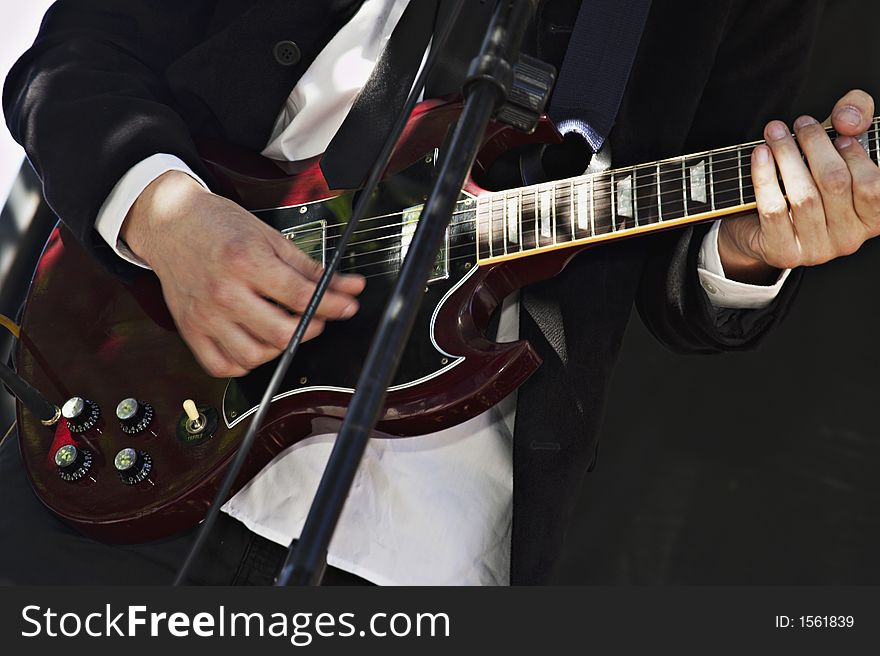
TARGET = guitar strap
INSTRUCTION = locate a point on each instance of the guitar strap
(551, 429)
(596, 67)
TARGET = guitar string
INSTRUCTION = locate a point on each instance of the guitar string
(525, 204)
(584, 179)
(651, 219)
(676, 162)
(605, 229)
(527, 195)
(471, 253)
(672, 178)
(527, 198)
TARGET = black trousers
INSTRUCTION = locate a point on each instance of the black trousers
(36, 548)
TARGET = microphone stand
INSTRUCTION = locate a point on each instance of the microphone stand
(486, 89)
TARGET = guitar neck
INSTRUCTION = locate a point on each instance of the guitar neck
(622, 202)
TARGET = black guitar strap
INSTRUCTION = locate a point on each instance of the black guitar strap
(596, 67)
(551, 430)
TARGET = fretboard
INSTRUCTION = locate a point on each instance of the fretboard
(622, 202)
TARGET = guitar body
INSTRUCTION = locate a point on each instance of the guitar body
(86, 334)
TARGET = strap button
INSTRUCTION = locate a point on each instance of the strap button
(287, 53)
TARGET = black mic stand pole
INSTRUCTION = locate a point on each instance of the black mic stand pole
(486, 89)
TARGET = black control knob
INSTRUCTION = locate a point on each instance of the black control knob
(133, 466)
(134, 416)
(73, 462)
(81, 414)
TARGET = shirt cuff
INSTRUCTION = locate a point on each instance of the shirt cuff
(123, 195)
(726, 293)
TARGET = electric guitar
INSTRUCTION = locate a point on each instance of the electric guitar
(127, 463)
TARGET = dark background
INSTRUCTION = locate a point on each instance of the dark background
(761, 467)
(757, 468)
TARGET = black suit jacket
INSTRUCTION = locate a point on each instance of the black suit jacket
(108, 83)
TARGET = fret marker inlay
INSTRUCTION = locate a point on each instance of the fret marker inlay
(698, 183)
(546, 202)
(583, 207)
(513, 220)
(625, 197)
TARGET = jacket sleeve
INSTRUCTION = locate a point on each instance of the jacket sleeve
(756, 76)
(87, 101)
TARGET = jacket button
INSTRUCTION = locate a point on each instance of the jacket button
(287, 53)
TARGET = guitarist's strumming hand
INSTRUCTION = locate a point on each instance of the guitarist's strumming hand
(833, 200)
(223, 271)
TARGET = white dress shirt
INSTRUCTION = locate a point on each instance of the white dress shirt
(434, 509)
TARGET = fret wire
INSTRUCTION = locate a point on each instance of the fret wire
(489, 231)
(537, 214)
(477, 228)
(506, 220)
(739, 171)
(519, 219)
(635, 198)
(593, 205)
(659, 197)
(877, 142)
(507, 235)
(684, 186)
(711, 185)
(553, 210)
(613, 199)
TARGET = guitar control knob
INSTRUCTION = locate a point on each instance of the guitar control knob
(133, 466)
(81, 414)
(73, 463)
(134, 416)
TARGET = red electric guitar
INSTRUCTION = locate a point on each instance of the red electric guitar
(128, 464)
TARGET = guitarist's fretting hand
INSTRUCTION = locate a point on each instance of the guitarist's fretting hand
(833, 200)
(218, 265)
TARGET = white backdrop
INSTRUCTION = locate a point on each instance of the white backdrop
(19, 22)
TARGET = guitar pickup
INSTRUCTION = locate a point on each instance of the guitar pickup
(310, 238)
(408, 230)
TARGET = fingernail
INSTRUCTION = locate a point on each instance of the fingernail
(843, 142)
(804, 121)
(762, 154)
(777, 131)
(350, 310)
(849, 115)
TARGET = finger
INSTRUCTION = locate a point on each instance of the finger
(807, 213)
(832, 178)
(212, 359)
(242, 348)
(778, 242)
(270, 324)
(286, 285)
(865, 183)
(312, 270)
(853, 113)
(348, 283)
